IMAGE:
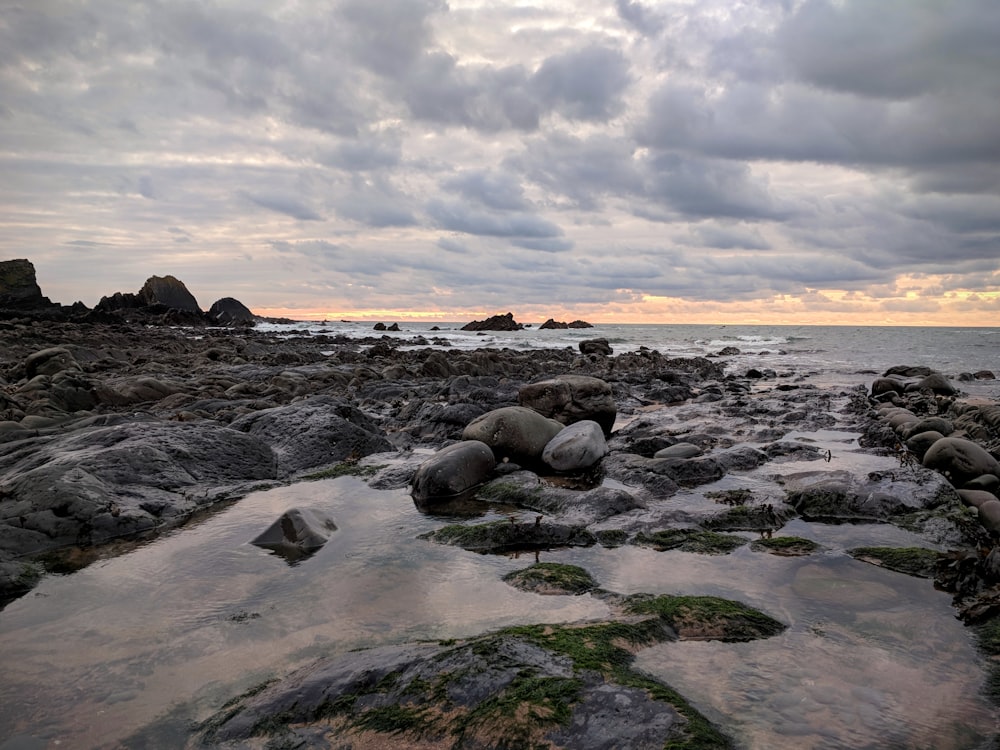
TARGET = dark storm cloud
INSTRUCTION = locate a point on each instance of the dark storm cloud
(587, 84)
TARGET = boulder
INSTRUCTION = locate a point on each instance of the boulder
(929, 424)
(989, 516)
(887, 385)
(935, 382)
(572, 398)
(49, 362)
(579, 446)
(297, 534)
(596, 346)
(976, 498)
(230, 311)
(921, 442)
(453, 471)
(960, 460)
(515, 433)
(494, 323)
(314, 432)
(167, 291)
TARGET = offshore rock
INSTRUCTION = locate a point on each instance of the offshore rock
(494, 323)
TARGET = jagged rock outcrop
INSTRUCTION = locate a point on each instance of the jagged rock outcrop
(494, 323)
(551, 324)
(19, 288)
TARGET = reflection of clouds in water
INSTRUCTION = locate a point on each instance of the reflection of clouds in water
(172, 621)
(828, 690)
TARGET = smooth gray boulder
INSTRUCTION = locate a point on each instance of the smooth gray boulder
(578, 446)
(679, 450)
(314, 432)
(572, 398)
(960, 460)
(298, 533)
(515, 433)
(453, 470)
(935, 382)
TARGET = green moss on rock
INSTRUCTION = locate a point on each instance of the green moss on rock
(706, 617)
(786, 546)
(690, 540)
(507, 536)
(344, 469)
(914, 561)
(552, 578)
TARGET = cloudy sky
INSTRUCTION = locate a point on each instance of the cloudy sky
(774, 161)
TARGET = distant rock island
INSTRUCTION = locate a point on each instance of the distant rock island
(507, 323)
(162, 299)
(557, 325)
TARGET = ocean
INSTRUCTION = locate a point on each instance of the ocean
(831, 354)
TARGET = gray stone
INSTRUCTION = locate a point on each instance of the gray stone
(679, 450)
(572, 398)
(314, 432)
(960, 460)
(929, 424)
(596, 346)
(453, 471)
(298, 533)
(579, 446)
(169, 292)
(514, 433)
(976, 498)
(229, 311)
(989, 515)
(935, 382)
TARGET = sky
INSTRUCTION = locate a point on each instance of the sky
(704, 161)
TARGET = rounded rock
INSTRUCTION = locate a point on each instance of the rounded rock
(453, 470)
(976, 498)
(513, 432)
(989, 515)
(579, 446)
(960, 460)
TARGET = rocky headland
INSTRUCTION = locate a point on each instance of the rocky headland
(119, 423)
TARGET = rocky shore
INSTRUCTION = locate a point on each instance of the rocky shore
(113, 432)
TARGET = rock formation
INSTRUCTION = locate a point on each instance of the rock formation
(19, 289)
(494, 323)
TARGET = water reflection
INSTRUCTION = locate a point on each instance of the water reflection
(172, 630)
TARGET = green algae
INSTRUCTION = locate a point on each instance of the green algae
(787, 546)
(706, 617)
(344, 469)
(554, 578)
(914, 561)
(690, 540)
